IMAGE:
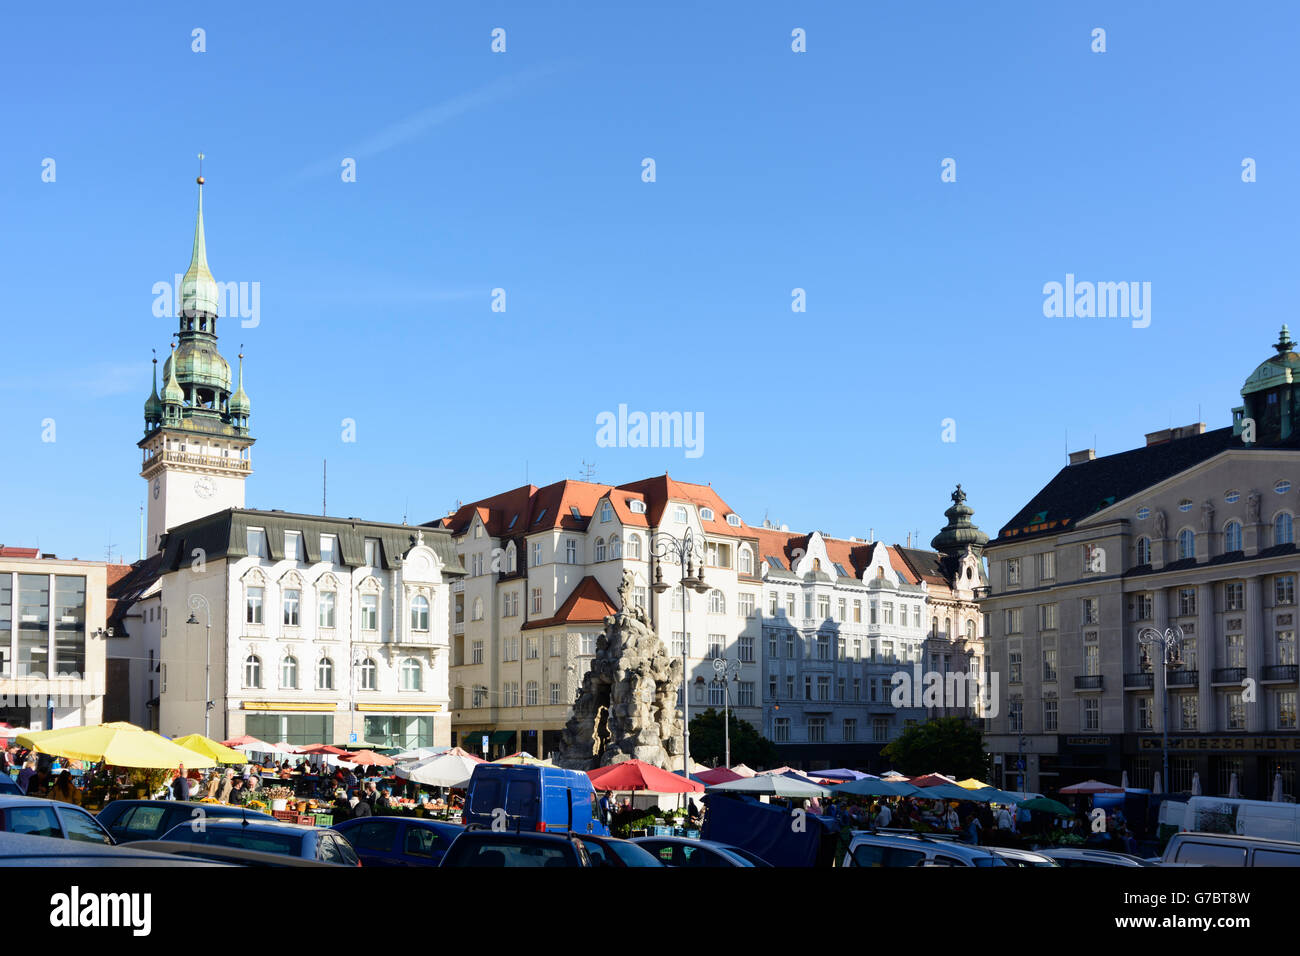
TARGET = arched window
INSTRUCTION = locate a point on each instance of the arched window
(411, 674)
(1283, 528)
(530, 693)
(634, 546)
(717, 602)
(366, 674)
(746, 561)
(478, 609)
(1186, 544)
(289, 673)
(253, 671)
(511, 559)
(947, 628)
(1144, 550)
(600, 549)
(420, 613)
(325, 674)
(1232, 537)
(615, 547)
(934, 627)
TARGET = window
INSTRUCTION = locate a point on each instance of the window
(1286, 710)
(366, 674)
(1016, 714)
(887, 612)
(1013, 620)
(325, 674)
(530, 692)
(370, 612)
(537, 601)
(1091, 713)
(253, 606)
(1089, 610)
(292, 597)
(1286, 647)
(880, 729)
(1143, 550)
(717, 602)
(328, 548)
(823, 647)
(746, 648)
(420, 613)
(1236, 711)
(1047, 617)
(1047, 565)
(789, 644)
(1282, 487)
(476, 652)
(916, 615)
(746, 561)
(600, 549)
(745, 604)
(292, 546)
(479, 696)
(1186, 602)
(616, 547)
(537, 554)
(678, 645)
(256, 543)
(1091, 660)
(1013, 572)
(477, 612)
(1146, 709)
(1186, 544)
(679, 514)
(289, 673)
(808, 606)
(1187, 711)
(781, 729)
(816, 730)
(531, 651)
(789, 604)
(875, 613)
(1049, 715)
(606, 512)
(745, 694)
(1049, 663)
(1284, 589)
(252, 671)
(1145, 606)
(1185, 504)
(512, 563)
(1282, 529)
(634, 546)
(733, 520)
(677, 598)
(587, 644)
(1013, 665)
(1234, 596)
(554, 693)
(637, 506)
(1143, 514)
(857, 612)
(372, 552)
(716, 693)
(571, 550)
(325, 609)
(411, 674)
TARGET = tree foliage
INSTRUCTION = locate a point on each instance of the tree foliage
(947, 745)
(748, 746)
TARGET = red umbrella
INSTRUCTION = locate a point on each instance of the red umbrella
(369, 758)
(638, 775)
(322, 749)
(1090, 786)
(720, 775)
(931, 780)
(457, 752)
(251, 743)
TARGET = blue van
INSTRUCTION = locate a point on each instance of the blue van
(537, 799)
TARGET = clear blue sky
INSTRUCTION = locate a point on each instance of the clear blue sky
(522, 170)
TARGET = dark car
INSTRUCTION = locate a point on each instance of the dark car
(19, 849)
(268, 836)
(680, 851)
(399, 841)
(476, 847)
(132, 820)
(611, 851)
(50, 818)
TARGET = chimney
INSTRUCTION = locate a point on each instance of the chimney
(1088, 454)
(1170, 434)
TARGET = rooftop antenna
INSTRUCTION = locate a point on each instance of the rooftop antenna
(588, 470)
(142, 531)
(108, 548)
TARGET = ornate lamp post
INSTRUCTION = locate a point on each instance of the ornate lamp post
(1170, 642)
(199, 601)
(725, 671)
(684, 551)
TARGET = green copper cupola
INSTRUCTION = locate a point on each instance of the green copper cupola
(198, 287)
(959, 533)
(153, 408)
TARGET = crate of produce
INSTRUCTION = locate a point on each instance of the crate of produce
(288, 816)
(306, 819)
(324, 819)
(661, 831)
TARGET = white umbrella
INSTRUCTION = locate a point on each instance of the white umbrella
(1123, 780)
(419, 753)
(775, 785)
(1234, 790)
(1156, 782)
(1277, 788)
(1196, 784)
(442, 770)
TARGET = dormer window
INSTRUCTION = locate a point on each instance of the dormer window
(638, 507)
(679, 514)
(573, 510)
(706, 514)
(256, 543)
(733, 520)
(606, 511)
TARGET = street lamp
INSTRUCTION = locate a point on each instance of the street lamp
(1170, 642)
(685, 550)
(199, 601)
(726, 671)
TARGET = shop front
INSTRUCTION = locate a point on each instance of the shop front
(1258, 761)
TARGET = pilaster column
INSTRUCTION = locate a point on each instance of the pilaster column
(1256, 716)
(1160, 610)
(1206, 658)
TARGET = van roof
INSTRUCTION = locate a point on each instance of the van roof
(1234, 838)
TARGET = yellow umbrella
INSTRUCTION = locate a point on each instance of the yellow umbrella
(526, 759)
(120, 744)
(970, 783)
(210, 748)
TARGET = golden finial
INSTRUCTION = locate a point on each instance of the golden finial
(200, 179)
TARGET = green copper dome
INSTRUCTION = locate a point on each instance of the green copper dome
(153, 405)
(198, 287)
(959, 532)
(1281, 369)
(196, 361)
(172, 394)
(239, 404)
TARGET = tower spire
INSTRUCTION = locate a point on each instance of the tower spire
(198, 287)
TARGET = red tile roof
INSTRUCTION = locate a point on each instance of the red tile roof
(7, 551)
(853, 556)
(588, 604)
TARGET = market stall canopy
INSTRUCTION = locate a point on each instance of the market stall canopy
(970, 783)
(720, 775)
(693, 776)
(450, 769)
(119, 744)
(1092, 786)
(892, 775)
(932, 780)
(210, 748)
(742, 770)
(872, 787)
(526, 759)
(839, 774)
(944, 791)
(639, 775)
(369, 758)
(1047, 806)
(247, 743)
(772, 785)
(321, 749)
(419, 753)
(994, 795)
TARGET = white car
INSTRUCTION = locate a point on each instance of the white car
(1081, 856)
(1022, 857)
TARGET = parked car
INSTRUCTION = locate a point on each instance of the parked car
(898, 850)
(21, 849)
(685, 852)
(529, 798)
(1016, 857)
(495, 848)
(9, 786)
(1081, 856)
(132, 820)
(37, 816)
(1257, 818)
(399, 841)
(1230, 849)
(269, 836)
(611, 851)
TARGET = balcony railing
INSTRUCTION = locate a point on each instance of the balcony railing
(1281, 672)
(208, 461)
(1142, 679)
(1228, 675)
(1088, 682)
(1184, 678)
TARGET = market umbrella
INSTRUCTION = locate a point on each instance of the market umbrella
(639, 775)
(994, 795)
(1155, 786)
(246, 742)
(970, 783)
(1234, 788)
(772, 785)
(693, 776)
(944, 791)
(892, 775)
(369, 758)
(1092, 786)
(1048, 806)
(419, 753)
(210, 748)
(871, 787)
(525, 759)
(719, 775)
(838, 774)
(119, 744)
(1196, 784)
(1277, 788)
(441, 770)
(742, 770)
(1123, 780)
(932, 780)
(321, 749)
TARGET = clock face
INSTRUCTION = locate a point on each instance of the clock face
(156, 485)
(205, 487)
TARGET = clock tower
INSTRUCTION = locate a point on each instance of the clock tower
(196, 436)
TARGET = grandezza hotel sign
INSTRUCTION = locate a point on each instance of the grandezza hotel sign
(1242, 743)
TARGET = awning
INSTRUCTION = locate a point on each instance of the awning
(502, 736)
